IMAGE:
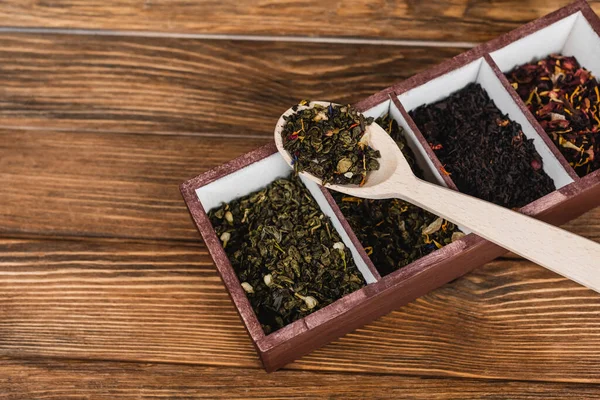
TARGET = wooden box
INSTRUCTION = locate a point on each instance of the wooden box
(573, 30)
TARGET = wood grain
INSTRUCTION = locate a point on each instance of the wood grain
(119, 185)
(58, 379)
(184, 86)
(94, 184)
(108, 299)
(457, 20)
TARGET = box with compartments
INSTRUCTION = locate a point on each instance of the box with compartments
(571, 31)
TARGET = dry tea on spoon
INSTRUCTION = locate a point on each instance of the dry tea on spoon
(328, 142)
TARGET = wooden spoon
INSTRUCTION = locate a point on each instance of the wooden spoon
(560, 251)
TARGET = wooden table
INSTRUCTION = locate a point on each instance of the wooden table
(107, 291)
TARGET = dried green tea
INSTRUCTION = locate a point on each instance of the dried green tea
(285, 252)
(394, 233)
(565, 99)
(328, 142)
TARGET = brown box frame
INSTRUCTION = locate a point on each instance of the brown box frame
(423, 275)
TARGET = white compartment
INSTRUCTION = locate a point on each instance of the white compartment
(571, 36)
(257, 176)
(441, 87)
(379, 110)
(480, 72)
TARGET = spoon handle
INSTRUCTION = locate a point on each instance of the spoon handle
(560, 251)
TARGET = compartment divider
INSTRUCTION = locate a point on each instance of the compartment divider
(531, 118)
(423, 142)
(350, 232)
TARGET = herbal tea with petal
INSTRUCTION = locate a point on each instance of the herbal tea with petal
(484, 151)
(565, 99)
(329, 143)
(285, 252)
(393, 232)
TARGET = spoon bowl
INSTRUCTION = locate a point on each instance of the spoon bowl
(560, 251)
(394, 169)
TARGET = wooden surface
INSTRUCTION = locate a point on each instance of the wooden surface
(106, 290)
(444, 20)
(58, 379)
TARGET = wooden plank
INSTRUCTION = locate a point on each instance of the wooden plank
(61, 379)
(153, 301)
(458, 20)
(94, 184)
(119, 185)
(223, 88)
(118, 300)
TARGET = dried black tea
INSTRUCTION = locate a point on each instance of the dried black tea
(565, 99)
(284, 250)
(486, 153)
(394, 233)
(327, 142)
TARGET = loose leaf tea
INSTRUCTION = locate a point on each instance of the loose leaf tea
(328, 142)
(565, 99)
(289, 259)
(486, 154)
(393, 232)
